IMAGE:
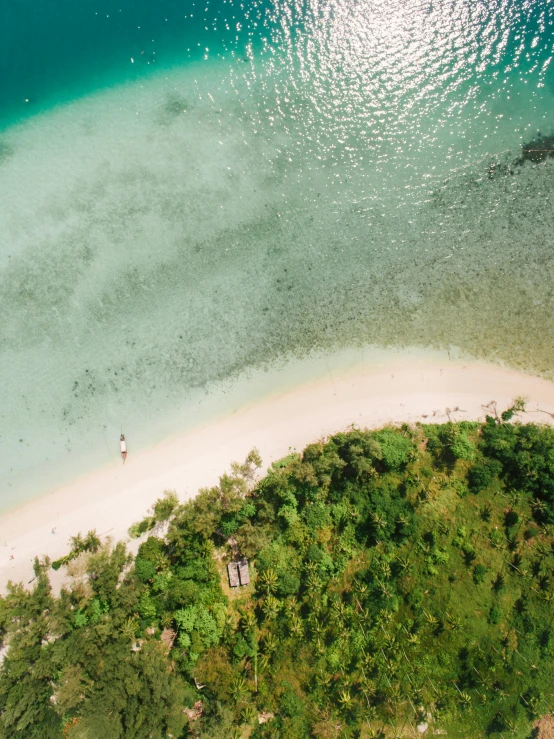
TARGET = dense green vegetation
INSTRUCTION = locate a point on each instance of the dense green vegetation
(399, 577)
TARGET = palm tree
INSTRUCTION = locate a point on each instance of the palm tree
(77, 542)
(539, 506)
(313, 582)
(296, 626)
(290, 606)
(453, 622)
(249, 713)
(316, 627)
(249, 620)
(360, 587)
(270, 643)
(378, 520)
(394, 691)
(345, 699)
(370, 715)
(129, 628)
(367, 687)
(161, 561)
(269, 580)
(338, 609)
(431, 619)
(465, 698)
(271, 606)
(323, 678)
(384, 588)
(385, 615)
(92, 542)
(403, 562)
(238, 688)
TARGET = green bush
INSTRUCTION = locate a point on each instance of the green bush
(479, 573)
(483, 473)
(463, 448)
(152, 549)
(185, 618)
(165, 507)
(147, 607)
(80, 619)
(145, 569)
(396, 449)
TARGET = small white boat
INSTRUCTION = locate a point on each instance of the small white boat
(123, 447)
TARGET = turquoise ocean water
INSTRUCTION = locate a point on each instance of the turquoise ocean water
(189, 191)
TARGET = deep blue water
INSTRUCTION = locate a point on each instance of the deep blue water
(53, 50)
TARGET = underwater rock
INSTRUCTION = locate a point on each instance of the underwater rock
(537, 150)
(497, 168)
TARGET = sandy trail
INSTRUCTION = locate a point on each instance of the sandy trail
(111, 499)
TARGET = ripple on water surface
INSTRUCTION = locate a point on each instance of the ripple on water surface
(336, 176)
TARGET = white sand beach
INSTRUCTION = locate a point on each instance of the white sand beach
(405, 389)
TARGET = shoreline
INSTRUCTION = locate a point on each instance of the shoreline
(112, 498)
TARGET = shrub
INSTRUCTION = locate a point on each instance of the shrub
(147, 607)
(482, 474)
(164, 507)
(162, 581)
(152, 549)
(229, 527)
(80, 619)
(316, 516)
(479, 572)
(183, 640)
(207, 627)
(463, 448)
(288, 584)
(97, 610)
(145, 569)
(396, 449)
(140, 528)
(291, 703)
(185, 618)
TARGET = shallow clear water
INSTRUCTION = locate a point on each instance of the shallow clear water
(263, 180)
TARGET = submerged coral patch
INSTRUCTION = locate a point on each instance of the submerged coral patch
(537, 150)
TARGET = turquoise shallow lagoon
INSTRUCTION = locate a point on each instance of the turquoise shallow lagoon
(191, 192)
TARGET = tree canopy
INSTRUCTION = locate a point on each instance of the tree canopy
(400, 578)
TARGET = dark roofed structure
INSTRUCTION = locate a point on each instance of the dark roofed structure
(243, 572)
(233, 571)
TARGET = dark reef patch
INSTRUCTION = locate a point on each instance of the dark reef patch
(537, 150)
(6, 151)
(173, 108)
(499, 168)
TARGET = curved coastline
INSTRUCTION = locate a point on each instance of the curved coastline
(402, 389)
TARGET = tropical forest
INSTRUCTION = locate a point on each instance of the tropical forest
(400, 584)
